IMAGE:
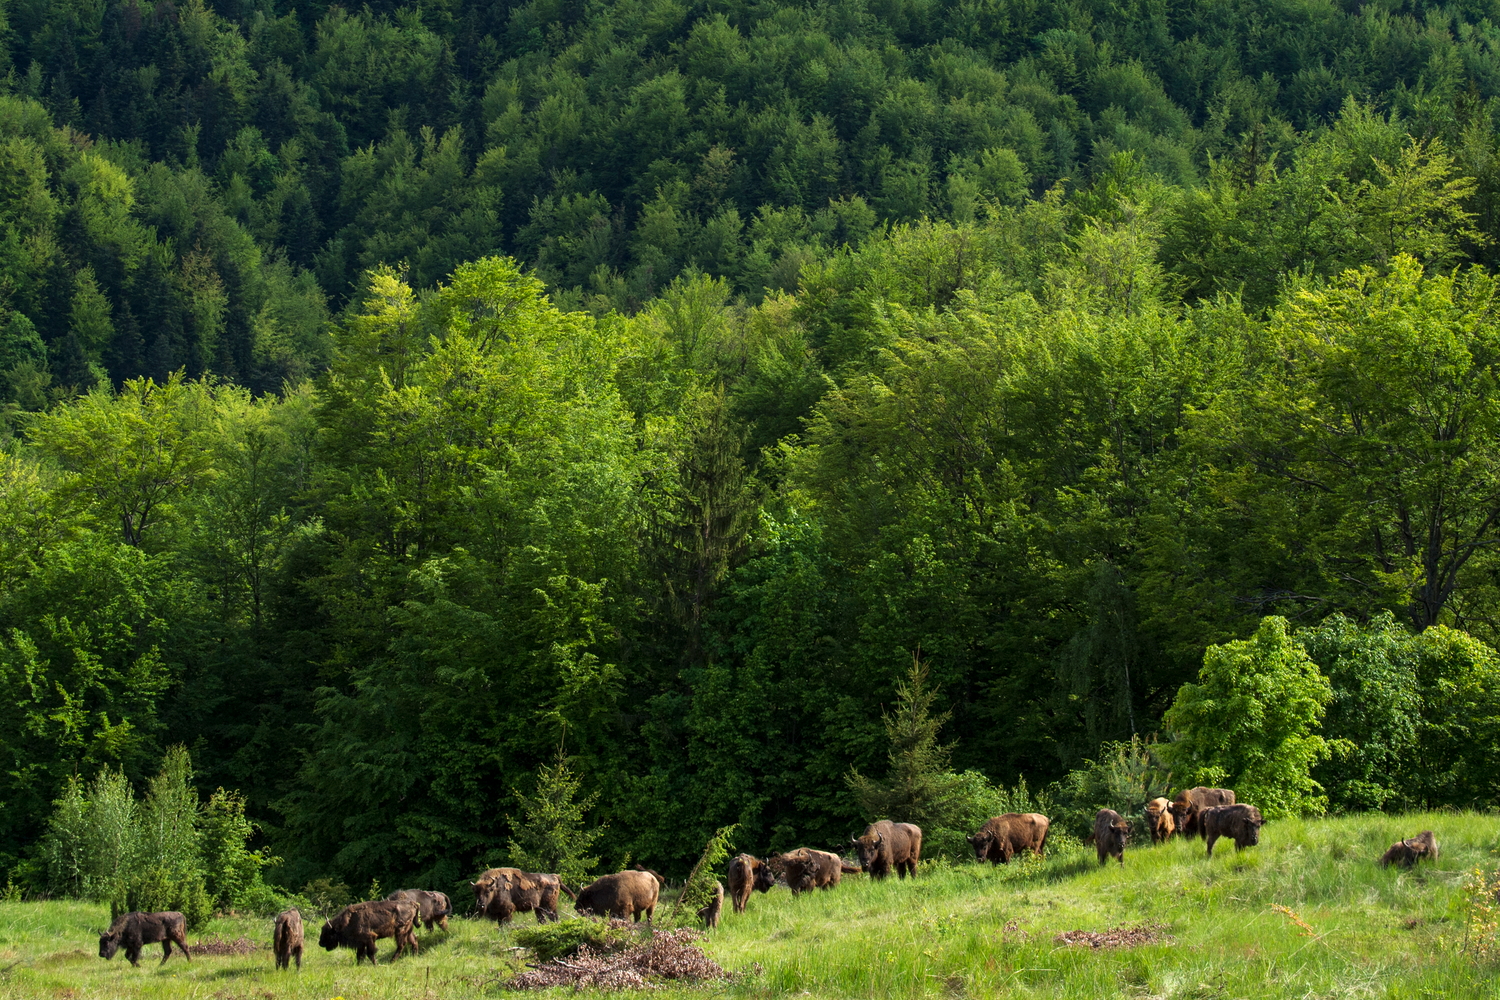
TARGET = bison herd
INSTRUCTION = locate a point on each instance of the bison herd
(884, 847)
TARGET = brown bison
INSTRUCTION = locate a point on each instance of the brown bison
(134, 930)
(1406, 853)
(709, 913)
(748, 873)
(1192, 801)
(286, 942)
(432, 907)
(885, 845)
(360, 925)
(501, 892)
(1159, 820)
(621, 895)
(1110, 834)
(1003, 837)
(806, 869)
(1240, 823)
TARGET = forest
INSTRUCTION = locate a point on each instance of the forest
(405, 407)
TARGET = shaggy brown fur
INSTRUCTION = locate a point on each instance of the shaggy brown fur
(432, 907)
(620, 895)
(1406, 853)
(501, 892)
(709, 914)
(1240, 823)
(1003, 837)
(286, 942)
(1159, 820)
(806, 869)
(1190, 802)
(748, 873)
(360, 925)
(1110, 835)
(885, 845)
(134, 930)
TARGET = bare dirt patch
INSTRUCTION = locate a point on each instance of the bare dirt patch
(670, 956)
(1117, 937)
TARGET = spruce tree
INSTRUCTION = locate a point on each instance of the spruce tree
(549, 835)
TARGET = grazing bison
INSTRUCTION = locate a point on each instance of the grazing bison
(432, 907)
(1190, 802)
(748, 873)
(806, 869)
(620, 895)
(133, 930)
(1406, 853)
(1159, 819)
(360, 925)
(501, 892)
(1110, 834)
(1003, 837)
(287, 940)
(709, 913)
(1240, 823)
(885, 845)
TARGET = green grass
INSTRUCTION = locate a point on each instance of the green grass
(961, 930)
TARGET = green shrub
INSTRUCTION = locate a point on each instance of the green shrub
(1127, 775)
(549, 941)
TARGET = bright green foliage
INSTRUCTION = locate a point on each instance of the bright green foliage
(919, 783)
(550, 827)
(1250, 722)
(1126, 776)
(698, 888)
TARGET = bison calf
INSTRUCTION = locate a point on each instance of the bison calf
(1241, 823)
(134, 930)
(748, 873)
(287, 940)
(1406, 853)
(709, 913)
(885, 845)
(1111, 831)
(1159, 820)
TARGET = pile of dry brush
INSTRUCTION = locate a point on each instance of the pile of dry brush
(665, 956)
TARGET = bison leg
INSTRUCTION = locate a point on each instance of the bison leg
(1211, 838)
(166, 950)
(134, 955)
(297, 953)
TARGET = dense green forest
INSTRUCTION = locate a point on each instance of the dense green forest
(395, 398)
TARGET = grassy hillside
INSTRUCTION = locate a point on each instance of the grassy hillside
(961, 930)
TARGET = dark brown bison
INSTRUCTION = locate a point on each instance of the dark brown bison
(432, 907)
(1110, 835)
(1240, 823)
(885, 845)
(134, 930)
(501, 892)
(1003, 837)
(748, 873)
(1406, 853)
(1159, 820)
(805, 869)
(621, 895)
(360, 925)
(1190, 802)
(709, 913)
(286, 942)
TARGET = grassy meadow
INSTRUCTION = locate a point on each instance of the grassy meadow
(1306, 914)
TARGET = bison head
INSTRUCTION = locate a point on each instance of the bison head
(328, 938)
(981, 844)
(108, 945)
(1252, 829)
(765, 879)
(868, 848)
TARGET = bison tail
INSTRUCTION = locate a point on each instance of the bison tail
(571, 894)
(848, 869)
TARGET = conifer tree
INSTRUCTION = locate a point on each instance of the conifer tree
(549, 835)
(921, 787)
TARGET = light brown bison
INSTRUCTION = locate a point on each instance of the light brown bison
(621, 895)
(805, 869)
(746, 874)
(1111, 832)
(1406, 853)
(432, 907)
(1192, 801)
(1003, 837)
(885, 845)
(1240, 823)
(709, 913)
(360, 925)
(135, 929)
(501, 892)
(286, 941)
(1159, 820)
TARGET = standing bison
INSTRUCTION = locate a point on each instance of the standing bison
(1159, 820)
(885, 845)
(1110, 834)
(1003, 837)
(621, 895)
(709, 913)
(134, 930)
(501, 892)
(1406, 853)
(360, 925)
(807, 869)
(1191, 802)
(748, 873)
(1240, 823)
(286, 942)
(432, 907)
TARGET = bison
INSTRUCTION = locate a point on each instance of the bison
(885, 845)
(1192, 801)
(134, 930)
(1003, 837)
(748, 873)
(1240, 823)
(501, 892)
(1159, 820)
(806, 869)
(286, 942)
(622, 894)
(1110, 835)
(709, 913)
(1406, 853)
(432, 907)
(360, 925)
